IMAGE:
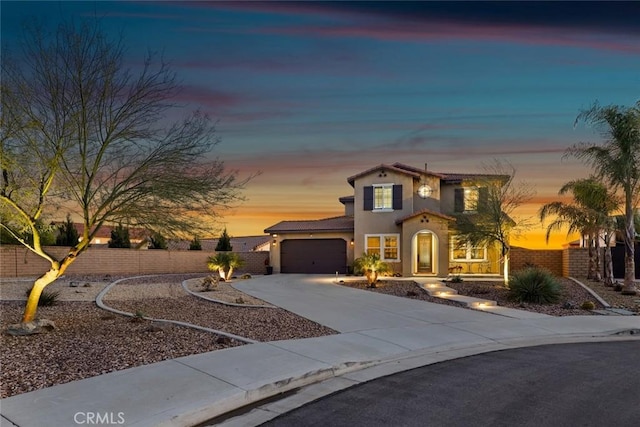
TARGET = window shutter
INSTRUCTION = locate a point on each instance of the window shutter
(368, 198)
(458, 201)
(483, 197)
(397, 197)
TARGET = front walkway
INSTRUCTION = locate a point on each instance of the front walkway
(387, 333)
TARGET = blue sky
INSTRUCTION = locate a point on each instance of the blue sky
(310, 93)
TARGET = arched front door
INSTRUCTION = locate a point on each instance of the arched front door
(424, 253)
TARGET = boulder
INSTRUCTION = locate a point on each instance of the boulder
(37, 326)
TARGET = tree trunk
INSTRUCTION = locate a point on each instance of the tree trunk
(34, 296)
(591, 269)
(505, 268)
(608, 266)
(597, 272)
(629, 287)
(56, 270)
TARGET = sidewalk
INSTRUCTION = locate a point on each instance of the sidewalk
(383, 333)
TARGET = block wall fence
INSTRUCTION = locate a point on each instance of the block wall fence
(17, 261)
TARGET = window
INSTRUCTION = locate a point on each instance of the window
(463, 251)
(467, 199)
(382, 197)
(386, 245)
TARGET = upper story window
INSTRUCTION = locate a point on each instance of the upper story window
(468, 198)
(383, 197)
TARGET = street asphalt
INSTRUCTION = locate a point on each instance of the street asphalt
(586, 384)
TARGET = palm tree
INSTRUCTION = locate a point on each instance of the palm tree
(371, 266)
(618, 162)
(589, 214)
(224, 263)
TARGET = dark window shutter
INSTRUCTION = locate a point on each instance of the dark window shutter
(483, 197)
(458, 201)
(397, 197)
(368, 198)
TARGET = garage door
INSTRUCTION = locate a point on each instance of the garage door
(313, 256)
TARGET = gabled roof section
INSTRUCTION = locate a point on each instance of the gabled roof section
(417, 170)
(424, 212)
(384, 167)
(338, 223)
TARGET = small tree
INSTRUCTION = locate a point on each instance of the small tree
(224, 242)
(195, 244)
(224, 263)
(67, 233)
(119, 237)
(158, 241)
(589, 214)
(372, 267)
(492, 220)
(79, 129)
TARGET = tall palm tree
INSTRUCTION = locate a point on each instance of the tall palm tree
(589, 214)
(617, 161)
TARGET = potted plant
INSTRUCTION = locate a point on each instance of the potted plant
(268, 266)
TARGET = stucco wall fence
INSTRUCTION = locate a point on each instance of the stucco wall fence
(17, 261)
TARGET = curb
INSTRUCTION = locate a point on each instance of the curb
(592, 292)
(103, 306)
(320, 384)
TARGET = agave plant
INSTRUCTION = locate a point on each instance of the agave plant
(372, 267)
(225, 263)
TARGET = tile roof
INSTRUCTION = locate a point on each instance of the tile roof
(458, 177)
(424, 212)
(393, 168)
(338, 223)
(240, 244)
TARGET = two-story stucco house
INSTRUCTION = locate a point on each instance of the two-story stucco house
(403, 213)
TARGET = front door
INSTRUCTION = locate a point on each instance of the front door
(425, 253)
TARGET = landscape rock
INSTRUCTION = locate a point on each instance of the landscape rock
(29, 328)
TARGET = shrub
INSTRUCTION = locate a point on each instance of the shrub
(47, 298)
(534, 285)
(120, 237)
(588, 305)
(195, 245)
(245, 276)
(372, 267)
(210, 283)
(225, 263)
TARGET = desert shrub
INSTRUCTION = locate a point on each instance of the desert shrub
(587, 305)
(210, 283)
(47, 298)
(534, 285)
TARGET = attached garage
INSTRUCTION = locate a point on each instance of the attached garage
(313, 256)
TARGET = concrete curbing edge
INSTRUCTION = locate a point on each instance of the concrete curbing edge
(103, 306)
(592, 292)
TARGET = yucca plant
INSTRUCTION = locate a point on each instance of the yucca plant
(224, 263)
(372, 267)
(534, 285)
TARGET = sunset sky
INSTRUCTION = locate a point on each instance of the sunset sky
(310, 93)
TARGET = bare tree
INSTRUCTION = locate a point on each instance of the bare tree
(493, 222)
(84, 134)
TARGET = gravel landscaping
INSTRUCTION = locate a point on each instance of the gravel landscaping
(89, 341)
